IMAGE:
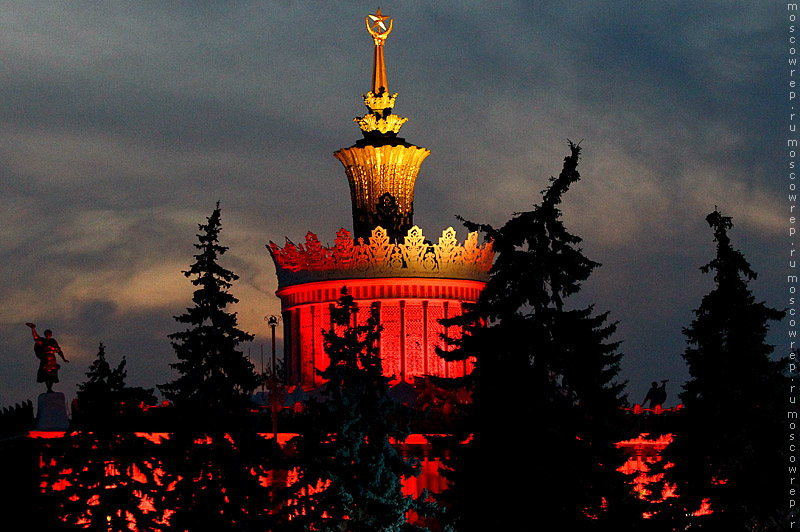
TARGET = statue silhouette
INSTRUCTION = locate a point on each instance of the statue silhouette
(45, 350)
(656, 394)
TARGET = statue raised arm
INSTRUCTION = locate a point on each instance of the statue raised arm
(46, 348)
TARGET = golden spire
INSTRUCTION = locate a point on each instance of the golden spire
(379, 119)
(379, 32)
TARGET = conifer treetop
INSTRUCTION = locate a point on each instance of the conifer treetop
(729, 262)
(101, 378)
(538, 262)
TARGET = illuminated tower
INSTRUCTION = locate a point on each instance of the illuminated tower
(388, 264)
(381, 168)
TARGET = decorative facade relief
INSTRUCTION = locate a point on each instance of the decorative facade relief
(413, 337)
(380, 257)
(307, 329)
(390, 338)
(436, 364)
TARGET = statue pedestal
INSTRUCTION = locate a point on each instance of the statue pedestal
(51, 412)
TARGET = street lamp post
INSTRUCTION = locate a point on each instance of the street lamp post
(272, 320)
(274, 385)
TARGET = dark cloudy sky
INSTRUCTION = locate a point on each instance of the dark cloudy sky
(122, 123)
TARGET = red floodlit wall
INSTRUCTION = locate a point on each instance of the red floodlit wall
(409, 310)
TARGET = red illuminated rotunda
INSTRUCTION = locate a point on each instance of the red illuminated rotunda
(386, 261)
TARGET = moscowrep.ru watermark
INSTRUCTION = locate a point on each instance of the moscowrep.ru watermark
(793, 49)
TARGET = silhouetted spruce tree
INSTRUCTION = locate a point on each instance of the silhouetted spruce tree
(105, 398)
(113, 477)
(545, 410)
(730, 444)
(214, 374)
(214, 448)
(349, 473)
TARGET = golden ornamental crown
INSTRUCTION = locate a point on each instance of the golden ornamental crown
(380, 101)
(413, 257)
(380, 117)
(370, 122)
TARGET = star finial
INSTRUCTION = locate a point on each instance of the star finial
(378, 19)
(377, 27)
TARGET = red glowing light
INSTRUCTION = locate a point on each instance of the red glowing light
(642, 441)
(155, 437)
(645, 452)
(45, 434)
(705, 509)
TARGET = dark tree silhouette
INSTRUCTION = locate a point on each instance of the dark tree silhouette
(349, 473)
(105, 398)
(545, 410)
(730, 440)
(213, 372)
(106, 477)
(215, 450)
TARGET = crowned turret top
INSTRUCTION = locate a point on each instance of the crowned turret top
(381, 168)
